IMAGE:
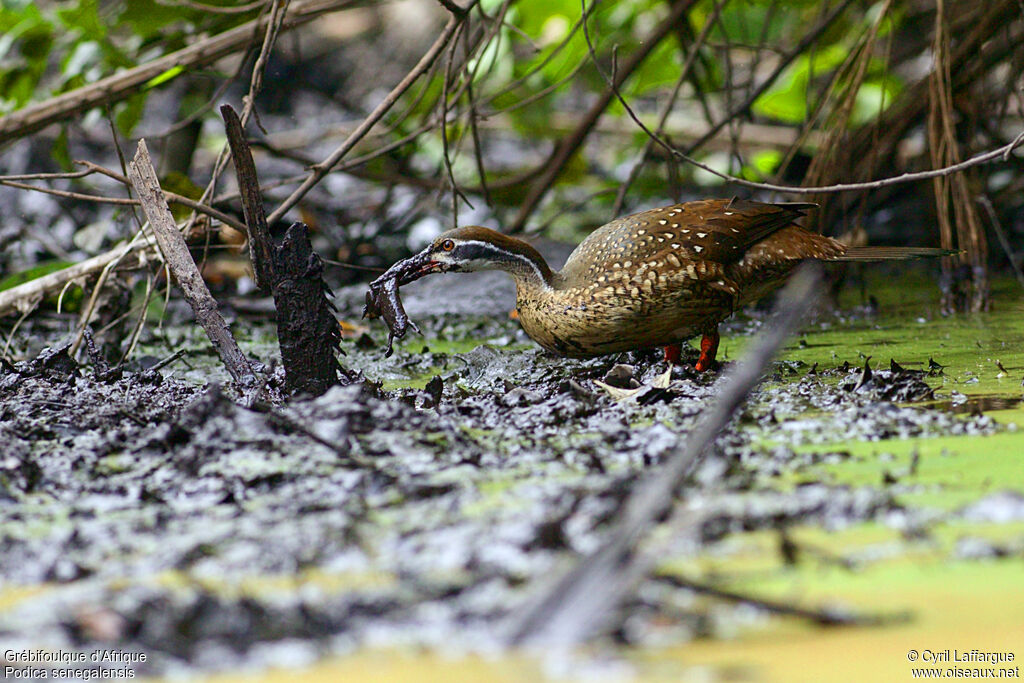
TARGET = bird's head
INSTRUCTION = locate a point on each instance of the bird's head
(473, 248)
(469, 249)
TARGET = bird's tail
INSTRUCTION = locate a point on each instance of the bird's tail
(892, 253)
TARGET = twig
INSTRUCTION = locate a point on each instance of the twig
(68, 194)
(560, 156)
(175, 253)
(255, 227)
(133, 339)
(578, 603)
(977, 160)
(172, 197)
(45, 176)
(114, 88)
(121, 201)
(324, 167)
(478, 149)
(997, 228)
(10, 335)
(821, 616)
(167, 361)
(445, 142)
(343, 451)
(216, 9)
(24, 294)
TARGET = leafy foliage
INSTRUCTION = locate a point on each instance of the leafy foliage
(51, 48)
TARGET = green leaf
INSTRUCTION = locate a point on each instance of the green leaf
(85, 56)
(60, 151)
(762, 164)
(787, 100)
(84, 19)
(128, 113)
(166, 76)
(33, 273)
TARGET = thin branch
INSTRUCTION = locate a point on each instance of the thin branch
(997, 228)
(446, 156)
(114, 88)
(473, 115)
(121, 201)
(45, 176)
(68, 194)
(215, 9)
(173, 197)
(567, 147)
(820, 616)
(323, 168)
(1001, 153)
(977, 160)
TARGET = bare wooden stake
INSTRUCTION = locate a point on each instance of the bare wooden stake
(260, 244)
(183, 267)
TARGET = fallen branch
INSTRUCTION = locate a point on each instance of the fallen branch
(183, 267)
(123, 84)
(579, 603)
(26, 296)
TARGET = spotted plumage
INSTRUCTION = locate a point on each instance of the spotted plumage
(655, 278)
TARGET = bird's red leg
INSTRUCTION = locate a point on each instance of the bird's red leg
(708, 350)
(672, 353)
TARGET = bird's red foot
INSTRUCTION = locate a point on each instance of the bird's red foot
(672, 353)
(708, 350)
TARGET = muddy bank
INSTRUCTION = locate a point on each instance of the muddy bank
(416, 505)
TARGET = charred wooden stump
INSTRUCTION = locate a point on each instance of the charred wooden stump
(292, 272)
(307, 330)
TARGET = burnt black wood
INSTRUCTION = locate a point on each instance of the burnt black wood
(288, 268)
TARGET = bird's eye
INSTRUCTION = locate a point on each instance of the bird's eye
(447, 245)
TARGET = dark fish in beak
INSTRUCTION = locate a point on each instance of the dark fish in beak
(383, 301)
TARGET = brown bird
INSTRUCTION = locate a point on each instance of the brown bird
(655, 278)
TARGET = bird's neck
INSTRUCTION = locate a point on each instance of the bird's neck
(524, 263)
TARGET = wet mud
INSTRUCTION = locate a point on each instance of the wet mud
(419, 504)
